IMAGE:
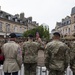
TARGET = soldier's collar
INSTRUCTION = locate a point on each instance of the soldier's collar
(11, 41)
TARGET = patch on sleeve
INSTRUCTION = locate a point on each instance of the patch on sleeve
(19, 51)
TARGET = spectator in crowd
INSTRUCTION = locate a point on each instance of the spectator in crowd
(13, 56)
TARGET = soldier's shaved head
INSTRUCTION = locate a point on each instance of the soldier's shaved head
(56, 34)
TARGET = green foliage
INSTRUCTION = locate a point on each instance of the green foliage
(44, 32)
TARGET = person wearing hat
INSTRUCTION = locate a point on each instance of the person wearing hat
(57, 56)
(13, 56)
(30, 53)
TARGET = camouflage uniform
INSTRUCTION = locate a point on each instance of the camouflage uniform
(57, 57)
(30, 52)
(72, 57)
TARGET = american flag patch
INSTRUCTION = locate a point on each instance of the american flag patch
(19, 51)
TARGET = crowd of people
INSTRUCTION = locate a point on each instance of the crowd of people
(58, 55)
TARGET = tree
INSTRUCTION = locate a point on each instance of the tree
(44, 32)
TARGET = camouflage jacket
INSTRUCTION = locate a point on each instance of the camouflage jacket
(30, 52)
(72, 56)
(57, 55)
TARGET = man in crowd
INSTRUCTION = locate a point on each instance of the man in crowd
(13, 56)
(38, 39)
(72, 57)
(30, 53)
(57, 56)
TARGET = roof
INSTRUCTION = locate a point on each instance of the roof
(73, 11)
(5, 15)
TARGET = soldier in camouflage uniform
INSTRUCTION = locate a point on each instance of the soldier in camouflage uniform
(30, 52)
(57, 56)
(72, 57)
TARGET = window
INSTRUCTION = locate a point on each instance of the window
(63, 31)
(7, 27)
(9, 17)
(1, 14)
(74, 27)
(0, 26)
(66, 29)
(64, 23)
(15, 28)
(20, 29)
(30, 21)
(16, 20)
(74, 19)
(69, 22)
(69, 31)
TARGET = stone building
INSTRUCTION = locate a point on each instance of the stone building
(67, 26)
(15, 23)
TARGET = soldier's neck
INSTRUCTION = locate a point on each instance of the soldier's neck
(30, 40)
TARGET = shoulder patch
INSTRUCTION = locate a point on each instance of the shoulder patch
(19, 51)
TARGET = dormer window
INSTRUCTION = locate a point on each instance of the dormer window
(69, 22)
(9, 17)
(23, 22)
(1, 14)
(6, 16)
(20, 21)
(15, 19)
(28, 21)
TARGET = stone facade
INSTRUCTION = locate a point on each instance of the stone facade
(67, 26)
(17, 24)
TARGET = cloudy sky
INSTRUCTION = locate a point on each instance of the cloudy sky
(42, 11)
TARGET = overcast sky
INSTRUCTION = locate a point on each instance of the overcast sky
(42, 11)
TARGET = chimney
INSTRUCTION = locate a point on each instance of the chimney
(30, 18)
(22, 16)
(0, 7)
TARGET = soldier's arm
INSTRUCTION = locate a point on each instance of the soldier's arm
(41, 46)
(47, 57)
(23, 52)
(19, 56)
(72, 56)
(67, 55)
(2, 49)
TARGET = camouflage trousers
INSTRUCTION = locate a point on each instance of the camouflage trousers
(56, 72)
(73, 73)
(30, 68)
(73, 70)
